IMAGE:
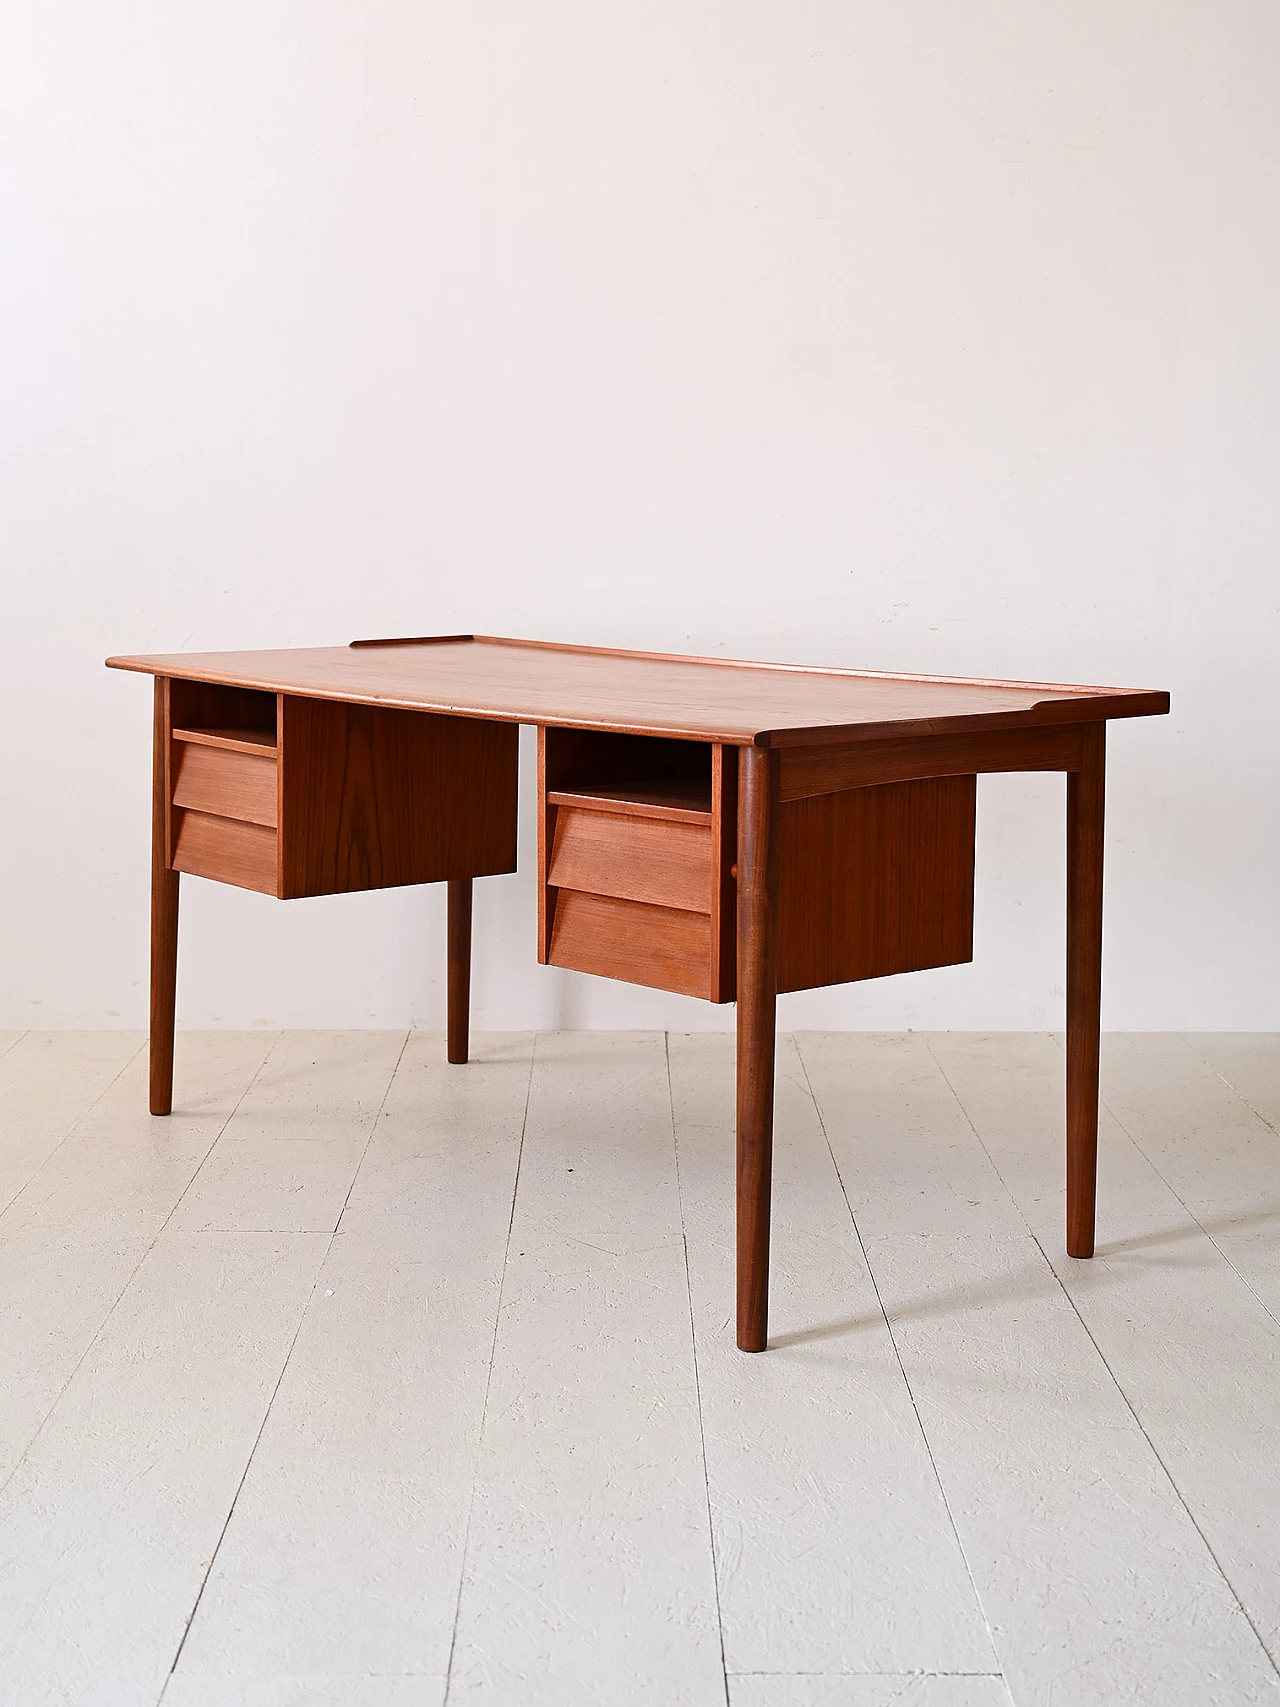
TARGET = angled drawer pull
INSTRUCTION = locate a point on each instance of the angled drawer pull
(663, 947)
(226, 782)
(636, 859)
(226, 849)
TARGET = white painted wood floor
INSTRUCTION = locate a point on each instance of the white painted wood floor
(363, 1381)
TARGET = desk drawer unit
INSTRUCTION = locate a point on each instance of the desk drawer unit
(293, 796)
(635, 856)
(637, 861)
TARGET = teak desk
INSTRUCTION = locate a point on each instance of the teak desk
(721, 829)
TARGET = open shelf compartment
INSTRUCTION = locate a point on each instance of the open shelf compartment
(208, 714)
(644, 775)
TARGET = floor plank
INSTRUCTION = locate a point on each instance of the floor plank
(1097, 1584)
(1190, 1346)
(1250, 1063)
(286, 1161)
(71, 1241)
(344, 1554)
(907, 1156)
(48, 1081)
(883, 1691)
(1098, 1587)
(589, 1571)
(307, 1691)
(1220, 1156)
(835, 1549)
(107, 1528)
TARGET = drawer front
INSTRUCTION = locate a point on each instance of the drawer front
(226, 784)
(667, 948)
(226, 849)
(658, 861)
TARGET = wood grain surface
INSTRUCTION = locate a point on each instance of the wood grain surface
(682, 800)
(857, 764)
(458, 974)
(602, 761)
(637, 859)
(758, 933)
(1085, 815)
(663, 947)
(196, 703)
(228, 783)
(875, 881)
(689, 698)
(225, 849)
(724, 844)
(261, 741)
(372, 798)
(164, 911)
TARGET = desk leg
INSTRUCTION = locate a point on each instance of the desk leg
(164, 915)
(1085, 791)
(459, 1000)
(757, 1005)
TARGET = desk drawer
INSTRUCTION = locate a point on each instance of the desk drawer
(665, 947)
(226, 783)
(634, 859)
(225, 849)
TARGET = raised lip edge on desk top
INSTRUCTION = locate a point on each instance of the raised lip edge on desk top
(1064, 707)
(740, 663)
(259, 741)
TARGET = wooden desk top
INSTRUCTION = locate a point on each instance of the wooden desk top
(653, 693)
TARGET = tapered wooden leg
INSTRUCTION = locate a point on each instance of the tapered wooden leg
(1085, 792)
(164, 915)
(459, 967)
(757, 1005)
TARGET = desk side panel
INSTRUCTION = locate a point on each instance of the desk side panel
(875, 881)
(372, 798)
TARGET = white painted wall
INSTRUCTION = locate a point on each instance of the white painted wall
(913, 335)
